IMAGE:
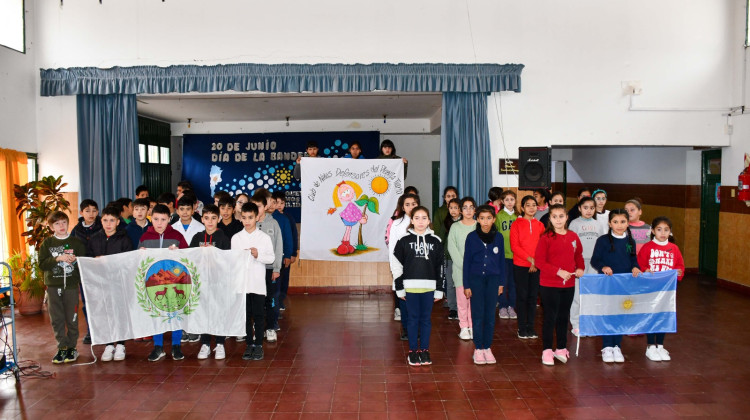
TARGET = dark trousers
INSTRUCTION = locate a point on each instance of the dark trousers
(283, 287)
(206, 339)
(254, 317)
(62, 305)
(556, 302)
(404, 313)
(272, 301)
(611, 340)
(483, 300)
(527, 289)
(83, 307)
(419, 325)
(657, 338)
(508, 298)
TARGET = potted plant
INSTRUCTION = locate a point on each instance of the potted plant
(35, 201)
(28, 283)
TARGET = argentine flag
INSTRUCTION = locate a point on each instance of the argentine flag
(622, 304)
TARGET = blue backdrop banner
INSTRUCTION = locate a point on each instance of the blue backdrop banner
(242, 163)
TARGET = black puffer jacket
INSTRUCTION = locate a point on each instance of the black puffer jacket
(99, 244)
(85, 233)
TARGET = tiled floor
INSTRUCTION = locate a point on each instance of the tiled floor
(339, 357)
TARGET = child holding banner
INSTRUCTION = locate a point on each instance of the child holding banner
(559, 256)
(660, 254)
(615, 253)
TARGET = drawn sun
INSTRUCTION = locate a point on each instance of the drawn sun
(176, 270)
(379, 185)
(283, 176)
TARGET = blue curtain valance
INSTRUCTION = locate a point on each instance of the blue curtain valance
(278, 78)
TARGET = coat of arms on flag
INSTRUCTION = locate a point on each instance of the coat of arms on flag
(167, 288)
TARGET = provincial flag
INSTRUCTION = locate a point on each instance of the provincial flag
(146, 292)
(622, 304)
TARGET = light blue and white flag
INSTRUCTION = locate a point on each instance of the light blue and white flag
(623, 304)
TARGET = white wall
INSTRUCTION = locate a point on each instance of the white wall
(18, 89)
(420, 151)
(685, 54)
(635, 165)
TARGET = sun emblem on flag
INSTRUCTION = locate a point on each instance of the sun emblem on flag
(627, 304)
(167, 288)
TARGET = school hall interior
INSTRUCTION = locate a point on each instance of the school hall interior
(639, 98)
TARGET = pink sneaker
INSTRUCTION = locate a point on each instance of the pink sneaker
(548, 357)
(479, 357)
(562, 355)
(489, 357)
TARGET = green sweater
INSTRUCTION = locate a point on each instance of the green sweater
(57, 273)
(456, 245)
(437, 221)
(503, 222)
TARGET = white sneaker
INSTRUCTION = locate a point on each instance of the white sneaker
(471, 333)
(503, 313)
(109, 352)
(619, 358)
(512, 313)
(465, 334)
(397, 315)
(271, 336)
(653, 353)
(204, 352)
(663, 353)
(608, 355)
(119, 352)
(219, 353)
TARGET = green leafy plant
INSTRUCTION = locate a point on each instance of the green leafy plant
(369, 203)
(36, 200)
(28, 277)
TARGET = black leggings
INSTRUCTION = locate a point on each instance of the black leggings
(527, 289)
(556, 301)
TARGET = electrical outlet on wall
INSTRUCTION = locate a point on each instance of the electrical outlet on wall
(631, 87)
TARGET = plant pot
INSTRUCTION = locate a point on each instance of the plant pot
(28, 305)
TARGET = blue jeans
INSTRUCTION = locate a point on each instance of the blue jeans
(508, 298)
(419, 325)
(176, 338)
(404, 313)
(483, 300)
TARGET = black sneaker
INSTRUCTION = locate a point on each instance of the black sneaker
(177, 353)
(424, 356)
(257, 353)
(71, 355)
(522, 335)
(156, 354)
(59, 357)
(194, 338)
(248, 354)
(404, 335)
(531, 334)
(413, 358)
(87, 339)
(240, 339)
(452, 314)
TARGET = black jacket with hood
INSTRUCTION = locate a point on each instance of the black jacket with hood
(99, 244)
(419, 264)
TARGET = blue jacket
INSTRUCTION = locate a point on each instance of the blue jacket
(286, 234)
(134, 232)
(621, 259)
(295, 233)
(482, 259)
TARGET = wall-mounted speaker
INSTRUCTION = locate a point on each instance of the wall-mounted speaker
(534, 168)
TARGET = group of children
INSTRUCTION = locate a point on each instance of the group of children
(256, 223)
(499, 256)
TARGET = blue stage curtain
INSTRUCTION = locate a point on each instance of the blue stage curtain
(465, 145)
(274, 78)
(108, 158)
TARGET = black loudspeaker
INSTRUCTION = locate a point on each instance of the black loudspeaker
(534, 168)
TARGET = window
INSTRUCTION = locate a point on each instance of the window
(12, 25)
(142, 152)
(153, 154)
(164, 155)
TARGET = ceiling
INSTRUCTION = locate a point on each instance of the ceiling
(277, 107)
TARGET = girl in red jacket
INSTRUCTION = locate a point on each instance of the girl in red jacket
(559, 256)
(524, 235)
(660, 254)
